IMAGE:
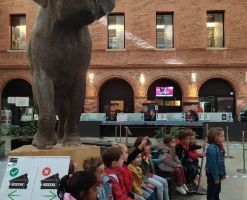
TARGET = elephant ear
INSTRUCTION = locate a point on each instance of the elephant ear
(105, 7)
(42, 3)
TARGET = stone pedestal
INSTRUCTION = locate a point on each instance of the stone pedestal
(76, 153)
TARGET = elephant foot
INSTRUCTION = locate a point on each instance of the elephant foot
(44, 141)
(71, 141)
(60, 139)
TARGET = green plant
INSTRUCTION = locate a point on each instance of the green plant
(174, 131)
(27, 129)
(10, 130)
(160, 134)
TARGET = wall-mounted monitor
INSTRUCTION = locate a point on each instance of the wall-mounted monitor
(164, 91)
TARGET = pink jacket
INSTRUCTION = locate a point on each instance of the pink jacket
(68, 196)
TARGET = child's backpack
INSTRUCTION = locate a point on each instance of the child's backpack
(105, 191)
(109, 185)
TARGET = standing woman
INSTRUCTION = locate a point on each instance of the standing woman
(80, 186)
(215, 163)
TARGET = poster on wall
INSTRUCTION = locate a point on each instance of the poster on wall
(22, 101)
(39, 182)
(161, 117)
(122, 117)
(116, 106)
(6, 116)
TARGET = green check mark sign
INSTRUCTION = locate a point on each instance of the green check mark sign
(14, 172)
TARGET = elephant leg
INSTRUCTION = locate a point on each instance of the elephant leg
(43, 91)
(62, 115)
(71, 136)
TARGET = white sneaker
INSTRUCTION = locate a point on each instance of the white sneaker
(186, 188)
(181, 190)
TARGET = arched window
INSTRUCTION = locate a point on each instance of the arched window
(116, 95)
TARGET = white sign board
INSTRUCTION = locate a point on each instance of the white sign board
(29, 178)
(122, 117)
(19, 179)
(22, 101)
(6, 116)
(11, 100)
(161, 117)
(48, 176)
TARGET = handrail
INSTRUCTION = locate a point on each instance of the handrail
(227, 144)
(244, 161)
(127, 133)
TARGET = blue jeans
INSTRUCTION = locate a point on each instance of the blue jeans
(162, 187)
(213, 190)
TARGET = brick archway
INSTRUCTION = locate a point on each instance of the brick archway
(9, 80)
(103, 81)
(166, 77)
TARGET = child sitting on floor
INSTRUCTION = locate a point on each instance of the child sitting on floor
(128, 158)
(182, 149)
(194, 155)
(172, 163)
(140, 188)
(149, 171)
(81, 186)
(113, 160)
(96, 166)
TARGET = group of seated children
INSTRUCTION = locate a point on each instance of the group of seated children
(123, 176)
(182, 159)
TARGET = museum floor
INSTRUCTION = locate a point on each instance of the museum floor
(233, 188)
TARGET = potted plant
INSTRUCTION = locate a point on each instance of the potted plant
(160, 134)
(25, 134)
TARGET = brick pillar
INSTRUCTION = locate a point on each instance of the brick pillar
(190, 97)
(241, 103)
(138, 103)
(189, 103)
(91, 105)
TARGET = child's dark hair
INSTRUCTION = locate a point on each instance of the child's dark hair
(72, 167)
(111, 154)
(168, 139)
(213, 133)
(91, 164)
(77, 184)
(139, 141)
(184, 133)
(194, 134)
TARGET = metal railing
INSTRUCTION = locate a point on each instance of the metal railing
(127, 134)
(244, 149)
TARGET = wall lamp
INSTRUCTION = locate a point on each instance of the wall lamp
(91, 77)
(193, 77)
(142, 79)
(245, 77)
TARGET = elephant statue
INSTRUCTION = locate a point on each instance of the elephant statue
(59, 53)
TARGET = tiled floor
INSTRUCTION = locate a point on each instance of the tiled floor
(233, 188)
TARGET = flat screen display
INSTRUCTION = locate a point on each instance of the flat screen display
(164, 91)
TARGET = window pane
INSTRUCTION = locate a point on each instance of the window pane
(116, 32)
(164, 30)
(18, 32)
(215, 29)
